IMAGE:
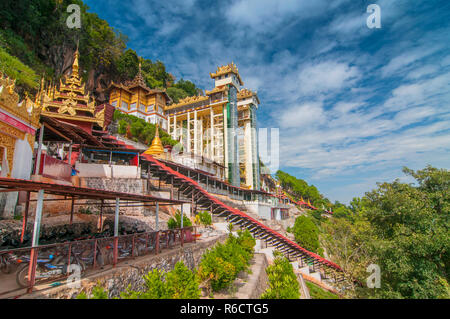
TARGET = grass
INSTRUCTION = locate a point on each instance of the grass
(318, 293)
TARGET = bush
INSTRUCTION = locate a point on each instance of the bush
(174, 223)
(205, 218)
(283, 282)
(179, 283)
(221, 265)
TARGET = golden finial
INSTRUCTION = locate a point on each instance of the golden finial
(75, 65)
(156, 148)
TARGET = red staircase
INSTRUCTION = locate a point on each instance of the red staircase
(191, 189)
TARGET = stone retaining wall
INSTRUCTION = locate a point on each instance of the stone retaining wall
(116, 280)
(257, 281)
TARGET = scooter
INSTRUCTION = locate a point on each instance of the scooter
(52, 266)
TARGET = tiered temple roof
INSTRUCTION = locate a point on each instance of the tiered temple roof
(139, 82)
(71, 102)
(226, 69)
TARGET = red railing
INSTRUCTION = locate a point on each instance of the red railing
(89, 254)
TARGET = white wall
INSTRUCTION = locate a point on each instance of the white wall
(107, 171)
(22, 161)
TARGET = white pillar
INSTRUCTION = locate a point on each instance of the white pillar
(248, 154)
(188, 147)
(37, 218)
(211, 141)
(195, 133)
(181, 215)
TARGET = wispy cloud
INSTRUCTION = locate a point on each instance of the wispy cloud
(353, 104)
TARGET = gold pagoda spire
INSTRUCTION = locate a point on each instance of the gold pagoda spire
(75, 65)
(156, 148)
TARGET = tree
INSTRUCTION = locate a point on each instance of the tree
(403, 228)
(283, 282)
(306, 233)
(176, 94)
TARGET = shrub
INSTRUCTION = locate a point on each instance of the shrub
(221, 265)
(174, 223)
(179, 283)
(283, 282)
(205, 218)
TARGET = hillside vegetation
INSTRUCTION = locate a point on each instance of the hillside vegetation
(36, 34)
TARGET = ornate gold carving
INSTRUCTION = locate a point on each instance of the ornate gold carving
(26, 110)
(71, 98)
(188, 100)
(31, 139)
(226, 69)
(9, 143)
(6, 129)
(246, 93)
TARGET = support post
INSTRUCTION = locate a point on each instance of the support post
(35, 242)
(39, 151)
(71, 211)
(69, 159)
(157, 217)
(116, 231)
(181, 231)
(25, 217)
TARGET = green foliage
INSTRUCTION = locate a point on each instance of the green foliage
(15, 69)
(300, 188)
(176, 94)
(35, 32)
(221, 265)
(179, 283)
(317, 292)
(205, 218)
(283, 282)
(403, 228)
(174, 223)
(187, 86)
(143, 131)
(98, 292)
(306, 233)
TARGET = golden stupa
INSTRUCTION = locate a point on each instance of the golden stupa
(156, 148)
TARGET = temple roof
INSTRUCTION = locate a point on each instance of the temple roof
(139, 81)
(217, 89)
(71, 102)
(226, 69)
(246, 93)
(188, 100)
(26, 110)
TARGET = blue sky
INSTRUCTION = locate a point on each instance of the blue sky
(353, 104)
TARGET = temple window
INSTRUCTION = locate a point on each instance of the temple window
(114, 103)
(124, 105)
(151, 108)
(142, 107)
(133, 106)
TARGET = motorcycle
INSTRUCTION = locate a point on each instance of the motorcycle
(52, 266)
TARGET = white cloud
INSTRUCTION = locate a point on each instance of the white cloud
(407, 58)
(302, 115)
(326, 76)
